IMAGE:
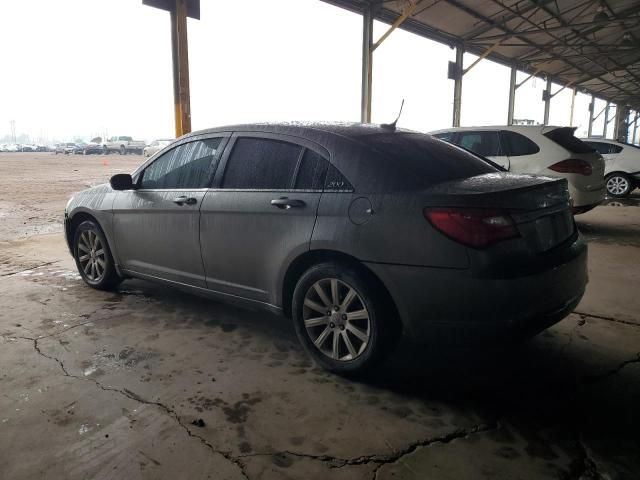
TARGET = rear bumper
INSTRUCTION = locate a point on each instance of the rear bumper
(457, 306)
(583, 197)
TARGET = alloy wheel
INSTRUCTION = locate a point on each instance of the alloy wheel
(92, 256)
(617, 185)
(336, 319)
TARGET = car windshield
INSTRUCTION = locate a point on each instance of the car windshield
(428, 159)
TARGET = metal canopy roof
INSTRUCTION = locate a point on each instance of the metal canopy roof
(592, 45)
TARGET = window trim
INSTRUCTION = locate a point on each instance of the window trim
(303, 143)
(139, 172)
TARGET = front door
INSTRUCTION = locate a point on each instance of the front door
(157, 225)
(261, 214)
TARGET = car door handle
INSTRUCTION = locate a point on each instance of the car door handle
(185, 200)
(287, 203)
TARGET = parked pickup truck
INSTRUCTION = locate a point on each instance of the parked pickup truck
(123, 145)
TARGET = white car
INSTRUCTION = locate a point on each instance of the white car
(621, 165)
(155, 147)
(540, 150)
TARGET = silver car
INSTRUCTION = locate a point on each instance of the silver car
(359, 233)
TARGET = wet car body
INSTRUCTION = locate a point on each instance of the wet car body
(381, 209)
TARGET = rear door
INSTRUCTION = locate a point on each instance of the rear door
(486, 143)
(157, 225)
(521, 150)
(261, 213)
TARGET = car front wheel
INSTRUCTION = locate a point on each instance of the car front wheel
(342, 318)
(93, 257)
(618, 184)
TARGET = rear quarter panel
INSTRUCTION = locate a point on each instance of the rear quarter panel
(396, 232)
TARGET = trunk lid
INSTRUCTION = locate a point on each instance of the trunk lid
(539, 206)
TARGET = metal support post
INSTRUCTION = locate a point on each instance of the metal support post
(634, 140)
(457, 88)
(621, 132)
(573, 104)
(547, 101)
(606, 120)
(512, 95)
(367, 63)
(591, 107)
(179, 50)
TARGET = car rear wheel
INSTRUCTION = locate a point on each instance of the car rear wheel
(342, 319)
(123, 150)
(618, 184)
(93, 257)
(105, 150)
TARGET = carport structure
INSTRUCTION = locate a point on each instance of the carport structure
(591, 46)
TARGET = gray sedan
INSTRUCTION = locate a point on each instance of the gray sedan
(359, 233)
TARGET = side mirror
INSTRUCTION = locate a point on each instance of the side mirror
(122, 181)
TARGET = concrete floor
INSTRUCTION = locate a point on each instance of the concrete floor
(147, 382)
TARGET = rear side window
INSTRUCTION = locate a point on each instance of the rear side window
(311, 172)
(483, 143)
(189, 165)
(516, 145)
(427, 160)
(565, 138)
(446, 136)
(336, 181)
(604, 148)
(261, 164)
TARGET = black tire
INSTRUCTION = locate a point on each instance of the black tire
(105, 151)
(618, 184)
(109, 278)
(123, 151)
(383, 324)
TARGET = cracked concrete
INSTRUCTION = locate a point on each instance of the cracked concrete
(147, 382)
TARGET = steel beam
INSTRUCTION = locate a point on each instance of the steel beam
(634, 140)
(621, 132)
(180, 54)
(547, 101)
(606, 120)
(367, 63)
(591, 107)
(457, 88)
(512, 95)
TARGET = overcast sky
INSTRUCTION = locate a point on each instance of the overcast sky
(78, 68)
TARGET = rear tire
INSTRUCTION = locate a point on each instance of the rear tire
(123, 151)
(618, 184)
(93, 257)
(343, 319)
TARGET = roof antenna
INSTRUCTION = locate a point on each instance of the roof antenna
(392, 126)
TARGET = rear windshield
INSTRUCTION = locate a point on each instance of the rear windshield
(429, 159)
(565, 138)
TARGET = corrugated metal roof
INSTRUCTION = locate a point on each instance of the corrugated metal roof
(593, 45)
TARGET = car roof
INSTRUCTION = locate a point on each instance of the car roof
(605, 140)
(350, 130)
(512, 128)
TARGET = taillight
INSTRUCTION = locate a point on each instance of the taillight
(572, 166)
(473, 227)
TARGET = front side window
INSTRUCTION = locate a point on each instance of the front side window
(261, 164)
(483, 143)
(189, 165)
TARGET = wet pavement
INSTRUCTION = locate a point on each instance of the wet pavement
(151, 383)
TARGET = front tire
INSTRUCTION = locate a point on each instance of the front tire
(343, 319)
(93, 257)
(618, 184)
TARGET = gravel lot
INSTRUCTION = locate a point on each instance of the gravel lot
(150, 383)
